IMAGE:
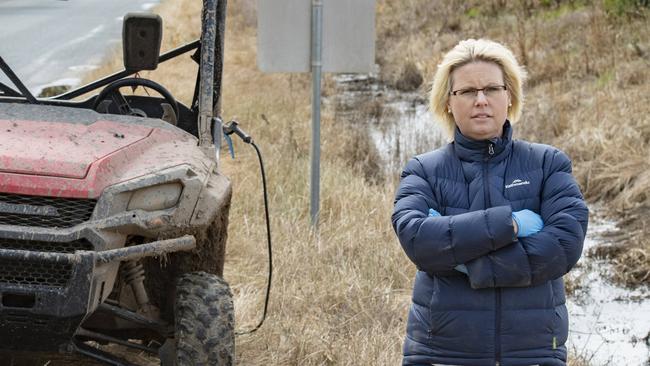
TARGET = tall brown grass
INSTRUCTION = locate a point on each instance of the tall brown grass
(340, 294)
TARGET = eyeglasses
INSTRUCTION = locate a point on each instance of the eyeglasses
(471, 93)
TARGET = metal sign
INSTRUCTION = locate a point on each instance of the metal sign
(284, 31)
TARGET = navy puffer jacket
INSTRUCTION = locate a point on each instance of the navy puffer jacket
(510, 307)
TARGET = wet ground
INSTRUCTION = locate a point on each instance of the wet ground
(398, 123)
(610, 325)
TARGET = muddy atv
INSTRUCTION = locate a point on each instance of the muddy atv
(113, 213)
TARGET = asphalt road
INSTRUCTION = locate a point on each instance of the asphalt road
(53, 42)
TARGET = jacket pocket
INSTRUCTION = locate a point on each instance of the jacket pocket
(434, 302)
(418, 326)
(561, 329)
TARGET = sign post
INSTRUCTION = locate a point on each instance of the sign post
(316, 66)
(339, 36)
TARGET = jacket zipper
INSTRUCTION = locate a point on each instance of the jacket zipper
(497, 293)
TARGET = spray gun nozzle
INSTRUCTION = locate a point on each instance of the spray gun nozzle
(233, 127)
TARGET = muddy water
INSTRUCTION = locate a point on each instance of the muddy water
(609, 325)
(398, 124)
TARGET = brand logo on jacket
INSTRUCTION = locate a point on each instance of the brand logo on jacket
(517, 182)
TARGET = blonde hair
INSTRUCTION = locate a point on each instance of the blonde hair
(476, 50)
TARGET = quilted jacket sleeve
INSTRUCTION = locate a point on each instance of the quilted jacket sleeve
(550, 253)
(437, 244)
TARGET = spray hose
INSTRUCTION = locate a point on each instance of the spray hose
(230, 128)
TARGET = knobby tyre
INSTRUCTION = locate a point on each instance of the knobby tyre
(204, 317)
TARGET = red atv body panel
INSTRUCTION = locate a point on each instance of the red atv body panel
(61, 149)
(78, 161)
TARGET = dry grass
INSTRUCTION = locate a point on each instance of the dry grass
(340, 295)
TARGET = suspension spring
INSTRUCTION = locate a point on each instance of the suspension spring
(133, 274)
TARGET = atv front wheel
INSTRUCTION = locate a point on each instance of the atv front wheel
(204, 318)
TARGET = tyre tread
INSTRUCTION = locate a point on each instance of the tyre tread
(204, 315)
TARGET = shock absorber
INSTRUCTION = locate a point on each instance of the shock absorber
(133, 274)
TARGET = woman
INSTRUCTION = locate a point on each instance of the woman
(491, 223)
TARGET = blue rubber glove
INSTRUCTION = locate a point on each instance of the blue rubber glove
(528, 223)
(433, 213)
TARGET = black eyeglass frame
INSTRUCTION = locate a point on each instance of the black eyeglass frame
(474, 91)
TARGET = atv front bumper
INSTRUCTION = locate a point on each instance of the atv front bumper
(53, 303)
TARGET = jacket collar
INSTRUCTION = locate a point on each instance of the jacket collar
(494, 150)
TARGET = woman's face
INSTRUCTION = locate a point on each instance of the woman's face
(479, 115)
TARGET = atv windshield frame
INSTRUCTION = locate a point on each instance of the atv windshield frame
(202, 117)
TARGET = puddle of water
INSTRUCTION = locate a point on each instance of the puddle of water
(414, 132)
(609, 325)
(400, 124)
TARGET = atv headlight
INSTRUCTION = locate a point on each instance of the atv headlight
(157, 197)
